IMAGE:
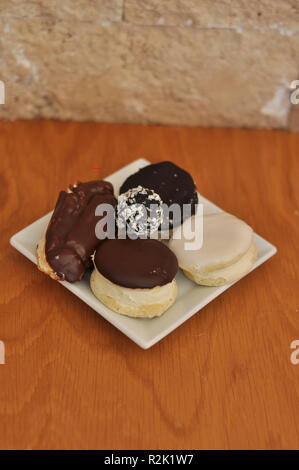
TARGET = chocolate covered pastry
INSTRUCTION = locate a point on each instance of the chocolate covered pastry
(64, 253)
(135, 277)
(173, 184)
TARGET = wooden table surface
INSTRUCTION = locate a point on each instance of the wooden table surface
(224, 379)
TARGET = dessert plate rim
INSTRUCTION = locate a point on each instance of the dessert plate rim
(139, 330)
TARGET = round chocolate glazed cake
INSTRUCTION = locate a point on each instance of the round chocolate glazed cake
(136, 263)
(173, 184)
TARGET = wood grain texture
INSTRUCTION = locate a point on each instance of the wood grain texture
(224, 378)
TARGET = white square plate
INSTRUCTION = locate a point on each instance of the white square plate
(145, 332)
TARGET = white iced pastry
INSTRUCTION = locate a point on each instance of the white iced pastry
(227, 253)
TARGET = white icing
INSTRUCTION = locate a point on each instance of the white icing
(225, 239)
(234, 271)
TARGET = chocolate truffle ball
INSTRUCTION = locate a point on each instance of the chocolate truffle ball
(139, 211)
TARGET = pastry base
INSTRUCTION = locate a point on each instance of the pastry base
(142, 303)
(42, 262)
(228, 274)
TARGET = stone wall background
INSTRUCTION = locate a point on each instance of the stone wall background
(205, 62)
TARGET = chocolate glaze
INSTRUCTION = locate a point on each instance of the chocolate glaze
(70, 237)
(139, 263)
(172, 183)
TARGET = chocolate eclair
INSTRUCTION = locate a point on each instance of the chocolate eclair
(135, 277)
(174, 186)
(64, 253)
